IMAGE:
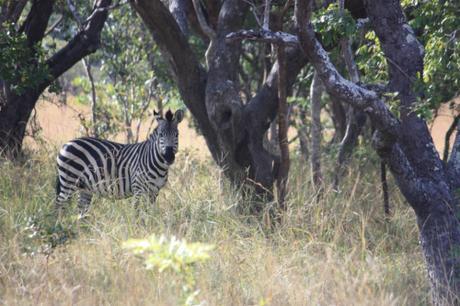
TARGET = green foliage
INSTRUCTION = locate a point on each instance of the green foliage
(437, 24)
(42, 234)
(333, 25)
(371, 61)
(172, 254)
(21, 66)
(130, 76)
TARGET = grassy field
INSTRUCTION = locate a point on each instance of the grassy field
(340, 251)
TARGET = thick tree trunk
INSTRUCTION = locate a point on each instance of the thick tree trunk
(405, 146)
(13, 121)
(15, 112)
(234, 131)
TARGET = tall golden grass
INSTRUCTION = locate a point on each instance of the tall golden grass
(338, 251)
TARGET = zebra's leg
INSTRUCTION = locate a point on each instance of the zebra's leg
(59, 203)
(84, 201)
(63, 195)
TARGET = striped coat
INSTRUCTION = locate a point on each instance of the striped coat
(95, 166)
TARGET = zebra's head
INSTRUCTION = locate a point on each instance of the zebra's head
(167, 134)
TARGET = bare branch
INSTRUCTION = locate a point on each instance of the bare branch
(264, 36)
(449, 133)
(266, 24)
(202, 20)
(51, 29)
(98, 10)
(84, 43)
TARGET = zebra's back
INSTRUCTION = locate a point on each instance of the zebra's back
(96, 166)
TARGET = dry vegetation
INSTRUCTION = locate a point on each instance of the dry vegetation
(339, 251)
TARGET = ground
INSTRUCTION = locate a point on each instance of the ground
(340, 250)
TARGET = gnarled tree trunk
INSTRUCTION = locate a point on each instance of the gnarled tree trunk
(16, 109)
(404, 144)
(233, 130)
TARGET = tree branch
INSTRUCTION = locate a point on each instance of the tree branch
(37, 20)
(202, 21)
(449, 133)
(85, 42)
(54, 25)
(178, 9)
(190, 76)
(453, 166)
(263, 35)
(335, 84)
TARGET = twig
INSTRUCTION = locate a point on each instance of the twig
(103, 9)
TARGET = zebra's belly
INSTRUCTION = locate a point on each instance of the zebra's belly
(112, 188)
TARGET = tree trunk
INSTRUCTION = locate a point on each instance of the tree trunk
(356, 121)
(316, 137)
(303, 134)
(404, 144)
(339, 119)
(234, 131)
(283, 119)
(15, 113)
(93, 97)
(13, 121)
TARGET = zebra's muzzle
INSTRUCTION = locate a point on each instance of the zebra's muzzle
(169, 155)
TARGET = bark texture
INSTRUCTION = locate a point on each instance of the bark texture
(405, 145)
(16, 111)
(316, 92)
(234, 129)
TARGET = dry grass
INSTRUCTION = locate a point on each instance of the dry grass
(60, 123)
(339, 251)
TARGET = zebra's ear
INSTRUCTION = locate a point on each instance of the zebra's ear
(179, 115)
(157, 115)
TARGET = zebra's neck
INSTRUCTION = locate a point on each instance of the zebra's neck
(153, 155)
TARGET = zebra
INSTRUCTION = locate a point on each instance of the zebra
(96, 166)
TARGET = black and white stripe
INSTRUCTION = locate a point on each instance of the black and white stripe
(96, 166)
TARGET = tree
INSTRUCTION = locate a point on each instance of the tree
(404, 143)
(25, 72)
(233, 128)
(132, 70)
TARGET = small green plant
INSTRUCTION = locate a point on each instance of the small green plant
(42, 234)
(172, 254)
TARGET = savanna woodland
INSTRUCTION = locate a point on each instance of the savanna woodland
(310, 170)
